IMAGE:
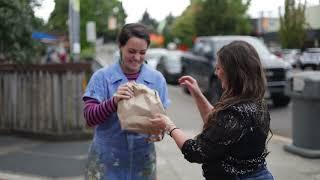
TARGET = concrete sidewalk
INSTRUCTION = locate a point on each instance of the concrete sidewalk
(34, 160)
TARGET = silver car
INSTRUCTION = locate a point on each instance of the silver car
(310, 58)
(153, 56)
(291, 56)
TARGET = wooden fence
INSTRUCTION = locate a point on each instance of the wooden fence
(43, 100)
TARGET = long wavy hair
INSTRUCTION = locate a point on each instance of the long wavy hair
(244, 76)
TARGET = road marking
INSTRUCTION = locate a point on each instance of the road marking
(15, 148)
(14, 176)
(41, 154)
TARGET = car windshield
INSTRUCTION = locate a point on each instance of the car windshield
(257, 44)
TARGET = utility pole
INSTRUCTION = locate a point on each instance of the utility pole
(74, 29)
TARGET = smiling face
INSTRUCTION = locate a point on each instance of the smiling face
(221, 74)
(132, 54)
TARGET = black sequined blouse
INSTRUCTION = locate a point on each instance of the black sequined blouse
(235, 145)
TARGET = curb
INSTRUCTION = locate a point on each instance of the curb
(281, 138)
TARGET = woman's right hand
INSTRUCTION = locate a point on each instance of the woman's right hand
(191, 84)
(163, 122)
(125, 91)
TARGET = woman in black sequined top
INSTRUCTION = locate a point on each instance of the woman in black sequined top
(232, 144)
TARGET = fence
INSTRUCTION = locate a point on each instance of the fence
(43, 100)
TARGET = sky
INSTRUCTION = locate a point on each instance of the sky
(159, 9)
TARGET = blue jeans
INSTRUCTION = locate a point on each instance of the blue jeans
(263, 174)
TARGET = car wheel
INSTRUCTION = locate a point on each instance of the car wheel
(215, 91)
(280, 101)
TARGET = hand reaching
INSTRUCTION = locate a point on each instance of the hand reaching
(191, 84)
(163, 122)
(156, 129)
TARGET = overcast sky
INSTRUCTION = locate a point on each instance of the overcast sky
(159, 9)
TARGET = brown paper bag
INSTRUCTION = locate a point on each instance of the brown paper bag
(134, 113)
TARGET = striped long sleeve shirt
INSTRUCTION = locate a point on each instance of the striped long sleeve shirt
(96, 112)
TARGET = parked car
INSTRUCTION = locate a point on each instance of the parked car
(153, 55)
(170, 66)
(310, 58)
(200, 63)
(291, 56)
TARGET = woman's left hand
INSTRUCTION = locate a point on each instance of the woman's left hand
(124, 91)
(191, 84)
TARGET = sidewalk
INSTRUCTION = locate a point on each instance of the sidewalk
(36, 160)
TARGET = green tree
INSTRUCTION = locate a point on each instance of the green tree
(223, 17)
(293, 25)
(99, 11)
(151, 23)
(17, 23)
(58, 20)
(166, 30)
(183, 28)
(93, 10)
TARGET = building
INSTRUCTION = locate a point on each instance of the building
(268, 28)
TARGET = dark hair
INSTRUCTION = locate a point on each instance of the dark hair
(244, 75)
(133, 30)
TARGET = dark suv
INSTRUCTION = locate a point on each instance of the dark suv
(200, 62)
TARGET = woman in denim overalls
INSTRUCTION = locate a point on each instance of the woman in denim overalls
(116, 154)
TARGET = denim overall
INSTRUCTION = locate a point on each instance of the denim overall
(116, 154)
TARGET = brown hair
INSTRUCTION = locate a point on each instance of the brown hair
(244, 75)
(133, 30)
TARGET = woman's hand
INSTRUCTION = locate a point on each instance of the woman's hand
(125, 91)
(191, 84)
(156, 129)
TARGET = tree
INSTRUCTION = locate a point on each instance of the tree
(151, 23)
(292, 25)
(223, 17)
(93, 10)
(183, 28)
(166, 30)
(99, 11)
(58, 20)
(17, 23)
